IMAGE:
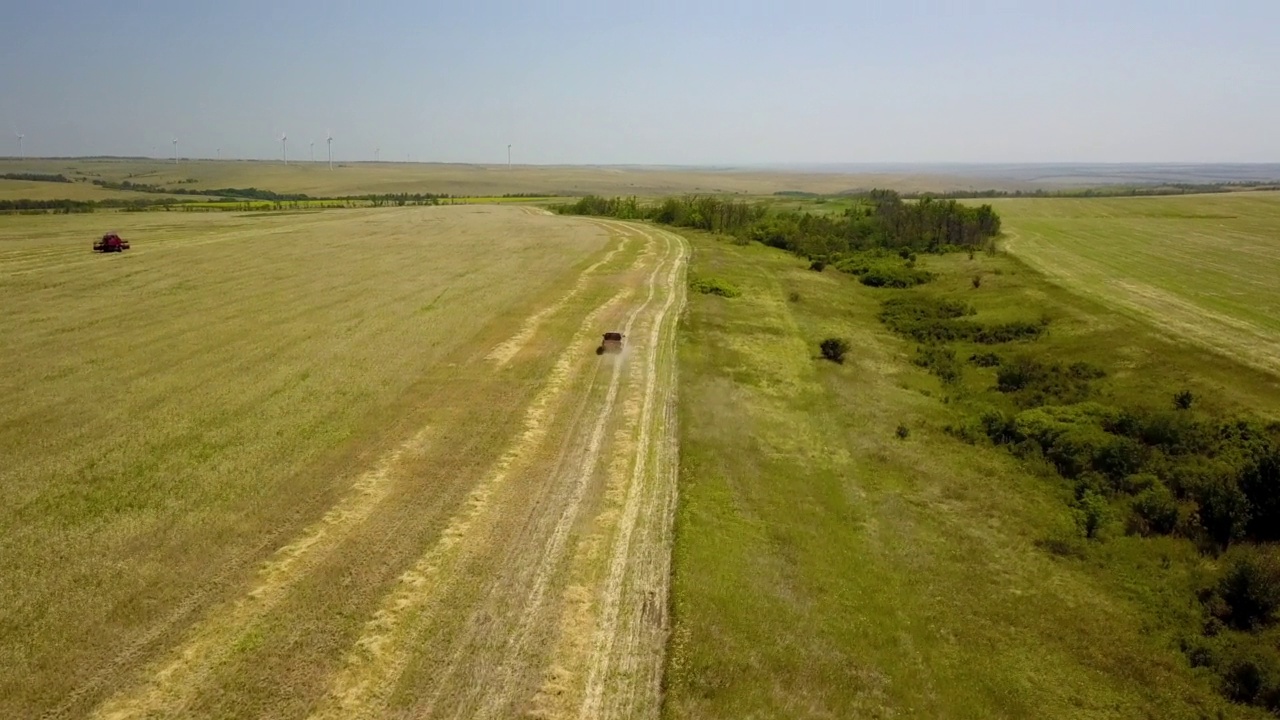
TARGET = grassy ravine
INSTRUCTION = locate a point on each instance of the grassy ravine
(826, 568)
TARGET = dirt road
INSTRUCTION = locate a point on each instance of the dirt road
(505, 563)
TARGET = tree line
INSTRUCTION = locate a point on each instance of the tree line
(36, 177)
(885, 220)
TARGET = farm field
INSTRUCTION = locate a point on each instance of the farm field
(1204, 268)
(478, 180)
(826, 566)
(32, 190)
(354, 463)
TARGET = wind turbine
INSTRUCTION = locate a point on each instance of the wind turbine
(284, 147)
(375, 154)
(175, 149)
(20, 136)
(313, 151)
(330, 133)
(508, 156)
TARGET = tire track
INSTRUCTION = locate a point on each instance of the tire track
(503, 354)
(380, 654)
(653, 488)
(502, 680)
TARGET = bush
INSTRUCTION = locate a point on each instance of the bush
(1156, 510)
(1252, 676)
(1040, 384)
(1092, 513)
(793, 296)
(714, 286)
(939, 360)
(818, 265)
(977, 279)
(895, 277)
(925, 318)
(1184, 400)
(1248, 589)
(903, 432)
(834, 349)
(989, 359)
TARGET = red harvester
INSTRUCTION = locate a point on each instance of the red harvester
(111, 242)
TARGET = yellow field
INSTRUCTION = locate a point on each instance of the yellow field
(476, 180)
(338, 464)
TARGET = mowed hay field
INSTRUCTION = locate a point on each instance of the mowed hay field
(340, 464)
(1205, 268)
(316, 179)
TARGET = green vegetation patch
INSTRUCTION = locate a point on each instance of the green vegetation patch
(838, 555)
(714, 286)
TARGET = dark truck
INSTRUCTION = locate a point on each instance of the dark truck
(612, 343)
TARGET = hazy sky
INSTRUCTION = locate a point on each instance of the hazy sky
(648, 82)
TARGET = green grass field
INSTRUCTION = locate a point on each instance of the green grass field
(1204, 268)
(825, 567)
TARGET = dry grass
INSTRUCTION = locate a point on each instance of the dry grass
(478, 180)
(336, 464)
(178, 413)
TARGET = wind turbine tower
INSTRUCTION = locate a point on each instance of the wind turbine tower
(20, 136)
(330, 149)
(313, 151)
(508, 157)
(284, 147)
(175, 150)
(375, 154)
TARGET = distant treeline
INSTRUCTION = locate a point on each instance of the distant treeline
(246, 202)
(1103, 191)
(81, 206)
(236, 193)
(35, 177)
(883, 221)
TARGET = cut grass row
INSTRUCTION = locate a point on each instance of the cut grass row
(825, 567)
(173, 414)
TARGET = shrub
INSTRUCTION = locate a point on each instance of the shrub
(939, 360)
(1040, 384)
(834, 349)
(1183, 400)
(977, 279)
(818, 265)
(714, 286)
(925, 318)
(989, 359)
(1224, 509)
(903, 432)
(1008, 332)
(1248, 589)
(793, 296)
(1091, 512)
(895, 277)
(1252, 676)
(1156, 509)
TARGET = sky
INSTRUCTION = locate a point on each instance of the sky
(647, 82)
